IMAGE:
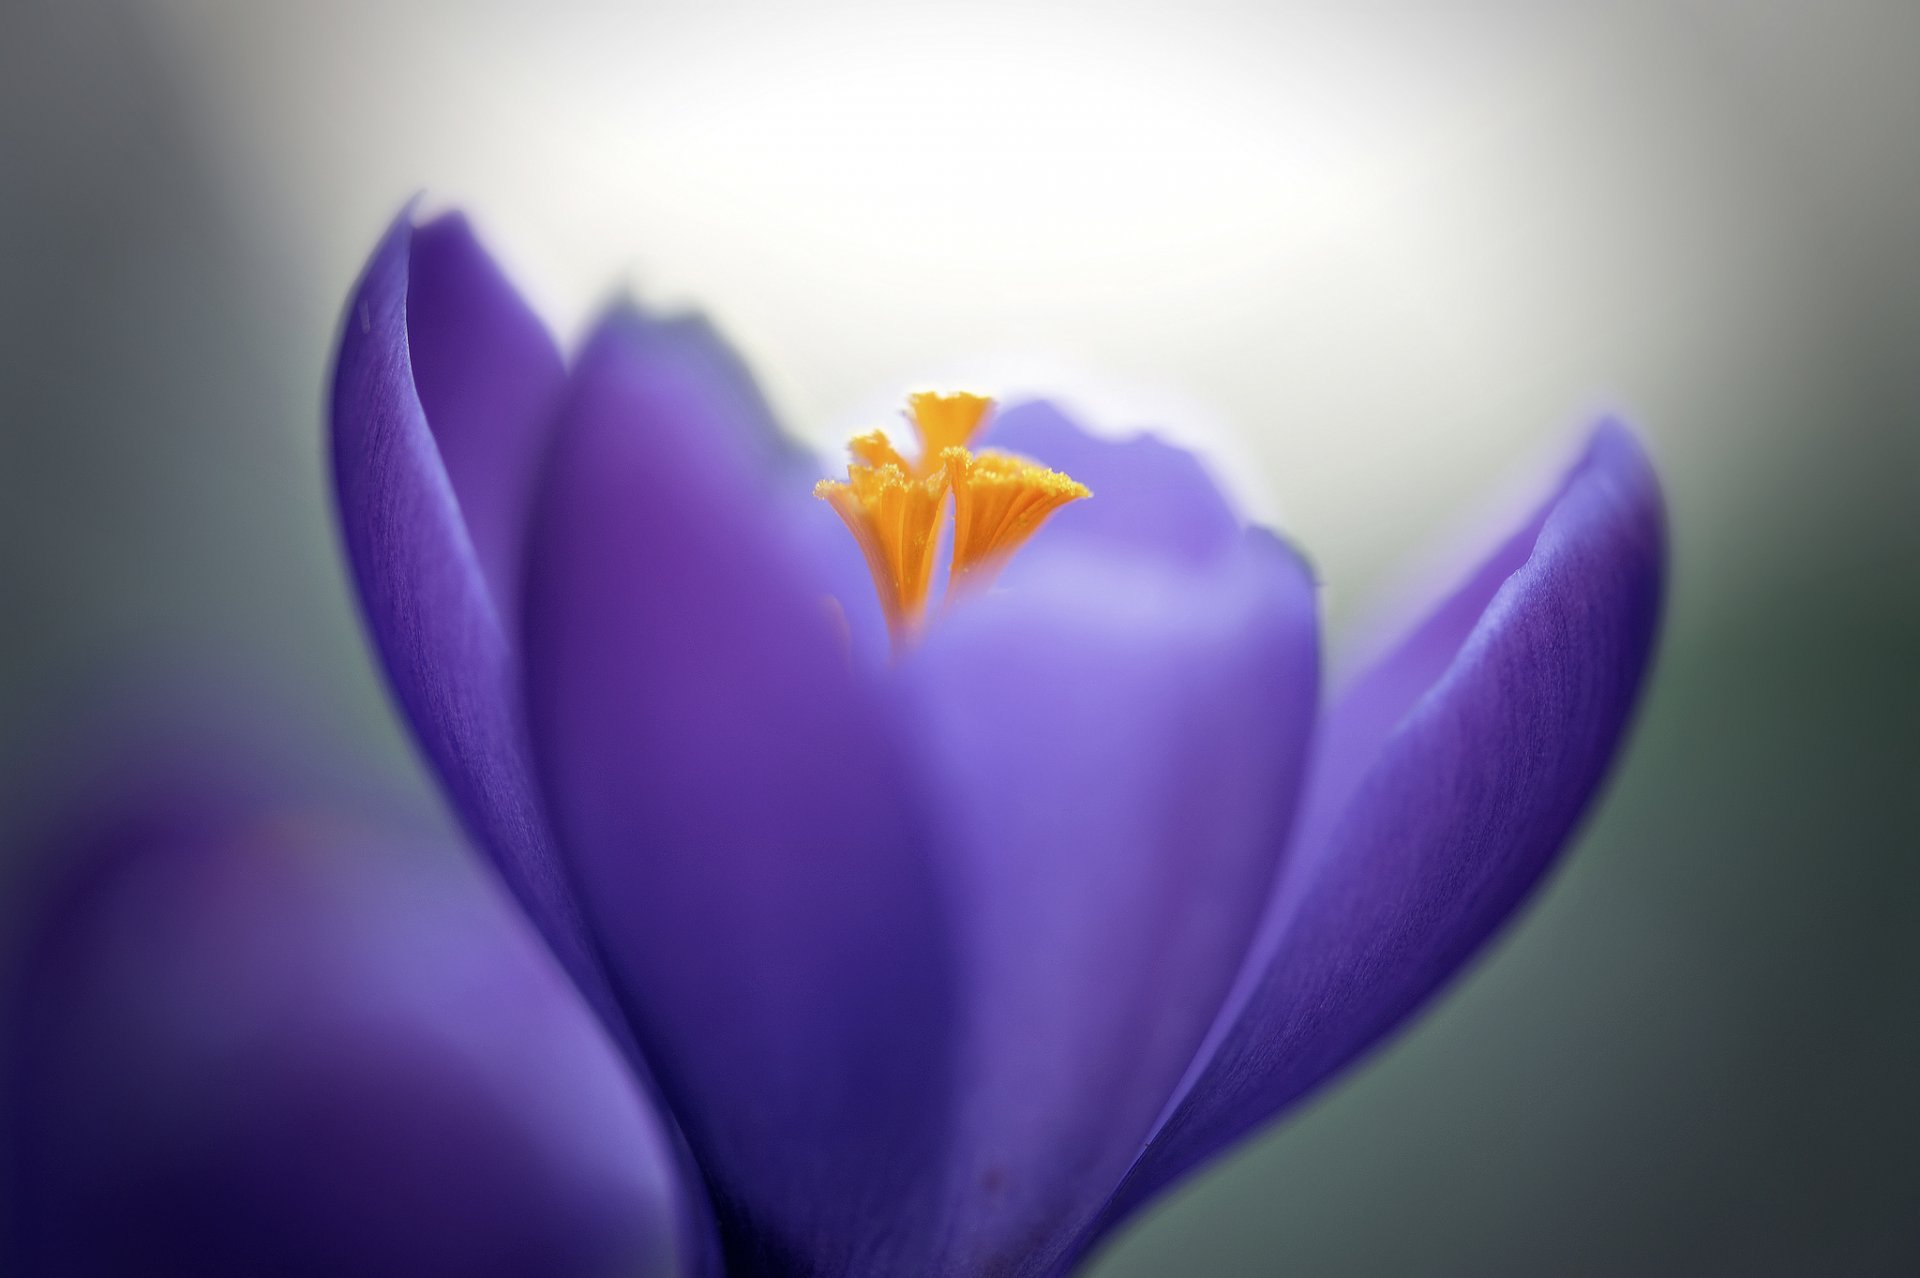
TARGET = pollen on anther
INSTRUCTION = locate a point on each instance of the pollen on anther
(999, 501)
(895, 519)
(875, 449)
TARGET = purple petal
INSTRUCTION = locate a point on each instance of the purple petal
(272, 1046)
(1445, 784)
(488, 377)
(1149, 496)
(434, 618)
(1119, 750)
(735, 806)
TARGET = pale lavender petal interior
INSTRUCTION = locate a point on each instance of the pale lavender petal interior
(1150, 498)
(1462, 793)
(1119, 743)
(1117, 734)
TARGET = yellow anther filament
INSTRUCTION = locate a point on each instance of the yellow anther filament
(946, 421)
(874, 449)
(895, 506)
(896, 519)
(999, 501)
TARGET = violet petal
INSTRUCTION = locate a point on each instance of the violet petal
(488, 377)
(1444, 787)
(733, 799)
(279, 1046)
(433, 616)
(1148, 495)
(1120, 746)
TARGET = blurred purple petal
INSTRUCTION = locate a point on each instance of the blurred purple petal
(1444, 787)
(1152, 498)
(270, 1045)
(1119, 754)
(735, 805)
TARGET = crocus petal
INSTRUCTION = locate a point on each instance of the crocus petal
(488, 376)
(732, 799)
(1149, 496)
(445, 386)
(1444, 786)
(434, 618)
(1119, 751)
(273, 1045)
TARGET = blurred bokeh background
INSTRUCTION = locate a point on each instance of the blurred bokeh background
(1381, 258)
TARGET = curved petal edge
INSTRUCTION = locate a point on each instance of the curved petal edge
(1456, 808)
(433, 617)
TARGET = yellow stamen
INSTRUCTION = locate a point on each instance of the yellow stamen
(875, 449)
(999, 501)
(895, 517)
(894, 506)
(946, 421)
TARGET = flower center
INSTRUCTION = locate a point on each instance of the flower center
(895, 506)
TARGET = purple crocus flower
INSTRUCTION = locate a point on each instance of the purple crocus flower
(943, 956)
(252, 1036)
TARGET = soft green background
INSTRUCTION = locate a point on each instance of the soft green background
(1383, 258)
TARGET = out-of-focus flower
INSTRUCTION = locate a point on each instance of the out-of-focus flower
(248, 1037)
(944, 953)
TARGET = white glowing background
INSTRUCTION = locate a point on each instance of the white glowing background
(1374, 256)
